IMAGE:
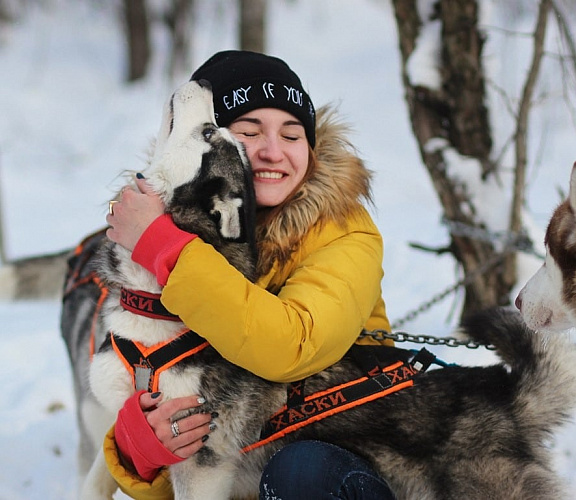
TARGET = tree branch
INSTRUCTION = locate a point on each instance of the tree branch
(522, 118)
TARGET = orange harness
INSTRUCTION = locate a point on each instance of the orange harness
(78, 275)
(300, 411)
(145, 364)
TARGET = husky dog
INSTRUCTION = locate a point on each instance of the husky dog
(203, 176)
(451, 433)
(548, 300)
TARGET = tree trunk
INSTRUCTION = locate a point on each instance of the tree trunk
(178, 19)
(253, 25)
(453, 115)
(137, 38)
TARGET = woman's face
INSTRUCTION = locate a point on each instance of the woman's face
(276, 146)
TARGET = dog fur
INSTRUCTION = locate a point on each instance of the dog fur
(548, 300)
(459, 432)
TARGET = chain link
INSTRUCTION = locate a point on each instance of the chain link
(381, 335)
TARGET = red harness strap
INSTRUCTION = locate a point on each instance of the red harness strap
(145, 304)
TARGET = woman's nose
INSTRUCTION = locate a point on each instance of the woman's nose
(271, 150)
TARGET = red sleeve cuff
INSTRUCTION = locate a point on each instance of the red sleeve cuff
(137, 442)
(159, 247)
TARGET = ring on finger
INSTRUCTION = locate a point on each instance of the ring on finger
(111, 204)
(175, 429)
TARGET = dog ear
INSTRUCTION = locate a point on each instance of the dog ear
(228, 210)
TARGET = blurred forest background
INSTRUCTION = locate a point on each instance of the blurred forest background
(473, 129)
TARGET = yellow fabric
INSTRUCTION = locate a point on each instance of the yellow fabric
(295, 321)
(132, 484)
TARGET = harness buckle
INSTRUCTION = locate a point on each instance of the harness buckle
(143, 375)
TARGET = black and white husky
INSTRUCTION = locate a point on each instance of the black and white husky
(451, 433)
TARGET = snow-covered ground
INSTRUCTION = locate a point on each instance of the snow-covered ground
(68, 126)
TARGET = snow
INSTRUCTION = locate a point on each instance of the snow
(69, 127)
(423, 65)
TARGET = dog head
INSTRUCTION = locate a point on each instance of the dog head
(202, 174)
(548, 300)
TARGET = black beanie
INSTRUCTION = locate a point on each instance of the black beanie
(243, 81)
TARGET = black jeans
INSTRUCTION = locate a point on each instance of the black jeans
(313, 470)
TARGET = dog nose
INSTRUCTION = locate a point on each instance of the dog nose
(518, 302)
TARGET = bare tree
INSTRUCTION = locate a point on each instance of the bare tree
(7, 14)
(253, 25)
(179, 19)
(450, 115)
(137, 38)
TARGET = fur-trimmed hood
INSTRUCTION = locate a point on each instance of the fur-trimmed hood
(337, 185)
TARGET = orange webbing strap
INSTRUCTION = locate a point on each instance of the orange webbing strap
(101, 299)
(335, 400)
(145, 364)
(82, 254)
(81, 272)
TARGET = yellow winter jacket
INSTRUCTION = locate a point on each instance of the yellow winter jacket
(303, 314)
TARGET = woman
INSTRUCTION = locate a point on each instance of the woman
(320, 265)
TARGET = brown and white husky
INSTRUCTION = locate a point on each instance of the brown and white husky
(548, 300)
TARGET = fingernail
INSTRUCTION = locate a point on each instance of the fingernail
(155, 395)
(214, 414)
(140, 176)
(201, 400)
(205, 438)
(212, 426)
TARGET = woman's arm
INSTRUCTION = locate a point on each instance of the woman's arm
(329, 293)
(313, 320)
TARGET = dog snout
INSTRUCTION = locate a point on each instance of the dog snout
(205, 84)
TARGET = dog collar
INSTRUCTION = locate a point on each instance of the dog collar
(145, 304)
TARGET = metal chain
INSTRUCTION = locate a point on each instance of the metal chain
(493, 262)
(512, 242)
(381, 335)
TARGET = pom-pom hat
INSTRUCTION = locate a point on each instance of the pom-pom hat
(243, 81)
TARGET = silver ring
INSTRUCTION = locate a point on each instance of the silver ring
(175, 429)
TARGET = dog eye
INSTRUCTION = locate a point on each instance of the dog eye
(208, 132)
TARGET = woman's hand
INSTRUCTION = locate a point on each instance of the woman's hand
(192, 431)
(148, 438)
(133, 213)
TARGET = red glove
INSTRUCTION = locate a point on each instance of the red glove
(137, 442)
(159, 247)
